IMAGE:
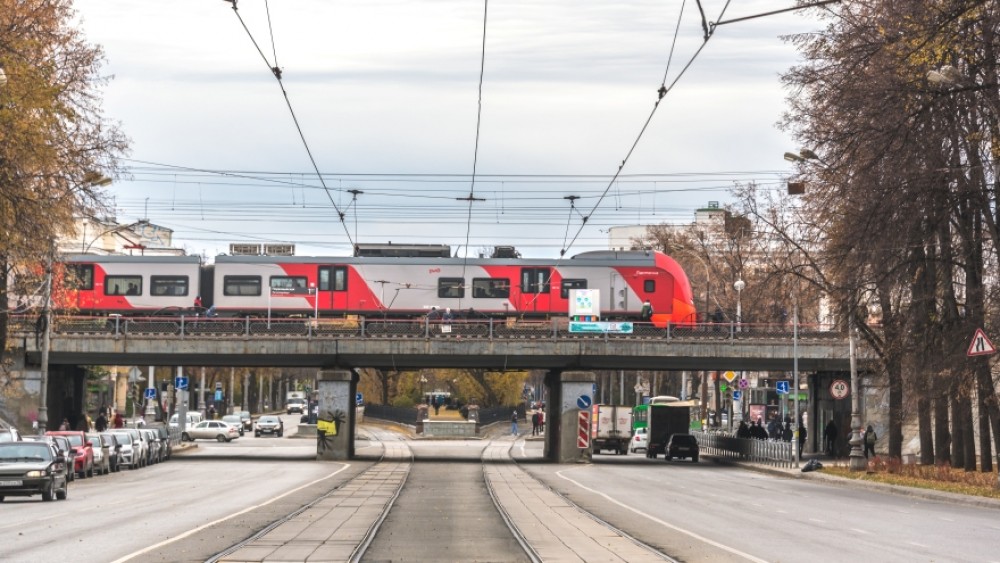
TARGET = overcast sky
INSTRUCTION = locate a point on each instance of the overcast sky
(386, 95)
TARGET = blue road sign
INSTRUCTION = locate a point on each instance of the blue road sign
(218, 394)
(150, 393)
(737, 395)
(783, 387)
(181, 383)
(359, 398)
(583, 401)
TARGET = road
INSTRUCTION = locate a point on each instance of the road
(207, 500)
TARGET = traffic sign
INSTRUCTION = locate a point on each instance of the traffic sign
(150, 393)
(218, 385)
(583, 401)
(181, 383)
(744, 383)
(981, 345)
(583, 429)
(737, 395)
(218, 394)
(730, 376)
(359, 398)
(839, 389)
(783, 387)
(723, 387)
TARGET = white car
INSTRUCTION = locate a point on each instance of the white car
(130, 449)
(640, 440)
(211, 430)
(193, 417)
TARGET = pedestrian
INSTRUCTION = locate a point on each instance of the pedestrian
(541, 421)
(197, 301)
(786, 432)
(870, 438)
(802, 438)
(65, 425)
(211, 412)
(830, 438)
(534, 424)
(448, 316)
(743, 431)
(513, 423)
(102, 422)
(118, 420)
(646, 312)
(774, 429)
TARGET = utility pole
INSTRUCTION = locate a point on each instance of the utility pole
(43, 407)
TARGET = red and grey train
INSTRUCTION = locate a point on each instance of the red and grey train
(386, 286)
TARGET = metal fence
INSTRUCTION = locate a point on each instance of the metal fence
(402, 415)
(770, 452)
(203, 327)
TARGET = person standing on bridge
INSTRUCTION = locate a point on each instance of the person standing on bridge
(513, 423)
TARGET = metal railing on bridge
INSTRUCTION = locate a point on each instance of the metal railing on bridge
(770, 452)
(253, 327)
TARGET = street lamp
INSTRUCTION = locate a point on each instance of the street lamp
(738, 286)
(423, 380)
(857, 461)
(43, 407)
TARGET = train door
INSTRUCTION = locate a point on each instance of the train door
(333, 288)
(536, 285)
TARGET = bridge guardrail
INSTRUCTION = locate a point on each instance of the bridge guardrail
(199, 327)
(770, 452)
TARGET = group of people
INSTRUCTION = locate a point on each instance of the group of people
(103, 421)
(537, 423)
(775, 430)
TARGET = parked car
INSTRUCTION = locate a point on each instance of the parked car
(64, 448)
(102, 454)
(8, 433)
(115, 451)
(247, 420)
(268, 424)
(83, 459)
(235, 421)
(682, 446)
(131, 452)
(32, 468)
(166, 447)
(639, 440)
(211, 430)
(154, 449)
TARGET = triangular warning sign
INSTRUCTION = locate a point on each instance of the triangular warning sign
(981, 345)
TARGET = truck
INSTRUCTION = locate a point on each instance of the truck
(295, 401)
(664, 419)
(610, 428)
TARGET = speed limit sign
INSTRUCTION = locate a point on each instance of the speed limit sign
(839, 389)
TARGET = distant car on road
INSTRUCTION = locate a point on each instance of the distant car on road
(211, 430)
(640, 440)
(235, 421)
(247, 419)
(32, 468)
(682, 446)
(268, 424)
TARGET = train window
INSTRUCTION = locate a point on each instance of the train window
(451, 287)
(649, 286)
(333, 277)
(535, 280)
(490, 288)
(567, 285)
(241, 285)
(123, 285)
(288, 283)
(80, 276)
(168, 285)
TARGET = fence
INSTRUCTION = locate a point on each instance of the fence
(770, 452)
(402, 415)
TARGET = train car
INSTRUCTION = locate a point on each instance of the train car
(127, 285)
(406, 287)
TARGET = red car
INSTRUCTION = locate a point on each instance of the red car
(83, 460)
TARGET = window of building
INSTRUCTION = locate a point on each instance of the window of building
(535, 280)
(123, 285)
(80, 276)
(168, 285)
(241, 285)
(333, 278)
(568, 285)
(453, 288)
(490, 288)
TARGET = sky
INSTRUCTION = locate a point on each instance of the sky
(387, 96)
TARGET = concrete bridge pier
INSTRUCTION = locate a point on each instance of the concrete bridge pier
(335, 425)
(562, 415)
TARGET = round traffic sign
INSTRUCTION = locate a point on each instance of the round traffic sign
(839, 389)
(583, 401)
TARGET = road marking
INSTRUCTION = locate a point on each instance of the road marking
(817, 520)
(224, 518)
(860, 531)
(689, 533)
(919, 544)
(947, 519)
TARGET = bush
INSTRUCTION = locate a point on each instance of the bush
(403, 401)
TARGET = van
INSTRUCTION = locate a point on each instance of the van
(193, 417)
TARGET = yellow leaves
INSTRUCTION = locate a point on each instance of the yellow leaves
(937, 478)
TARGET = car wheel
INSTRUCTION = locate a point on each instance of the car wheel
(256, 434)
(221, 438)
(61, 495)
(49, 493)
(668, 457)
(280, 434)
(186, 438)
(90, 472)
(695, 459)
(1, 499)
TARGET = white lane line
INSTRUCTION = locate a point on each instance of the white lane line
(919, 545)
(860, 531)
(224, 518)
(947, 519)
(689, 533)
(817, 520)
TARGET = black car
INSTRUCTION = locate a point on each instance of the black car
(682, 446)
(32, 468)
(269, 425)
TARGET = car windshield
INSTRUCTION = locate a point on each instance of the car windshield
(231, 418)
(75, 439)
(124, 438)
(245, 414)
(95, 440)
(25, 452)
(682, 440)
(268, 419)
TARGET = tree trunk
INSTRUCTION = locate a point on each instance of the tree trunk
(969, 463)
(957, 431)
(926, 434)
(986, 398)
(942, 437)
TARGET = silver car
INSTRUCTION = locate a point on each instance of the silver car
(211, 430)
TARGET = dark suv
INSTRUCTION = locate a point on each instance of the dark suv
(32, 468)
(682, 446)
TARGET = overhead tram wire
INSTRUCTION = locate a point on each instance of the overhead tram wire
(475, 153)
(276, 71)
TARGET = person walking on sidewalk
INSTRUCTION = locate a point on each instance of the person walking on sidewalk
(830, 438)
(534, 424)
(513, 423)
(870, 438)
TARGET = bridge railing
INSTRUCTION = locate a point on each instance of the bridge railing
(487, 328)
(770, 452)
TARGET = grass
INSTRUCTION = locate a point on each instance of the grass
(934, 477)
